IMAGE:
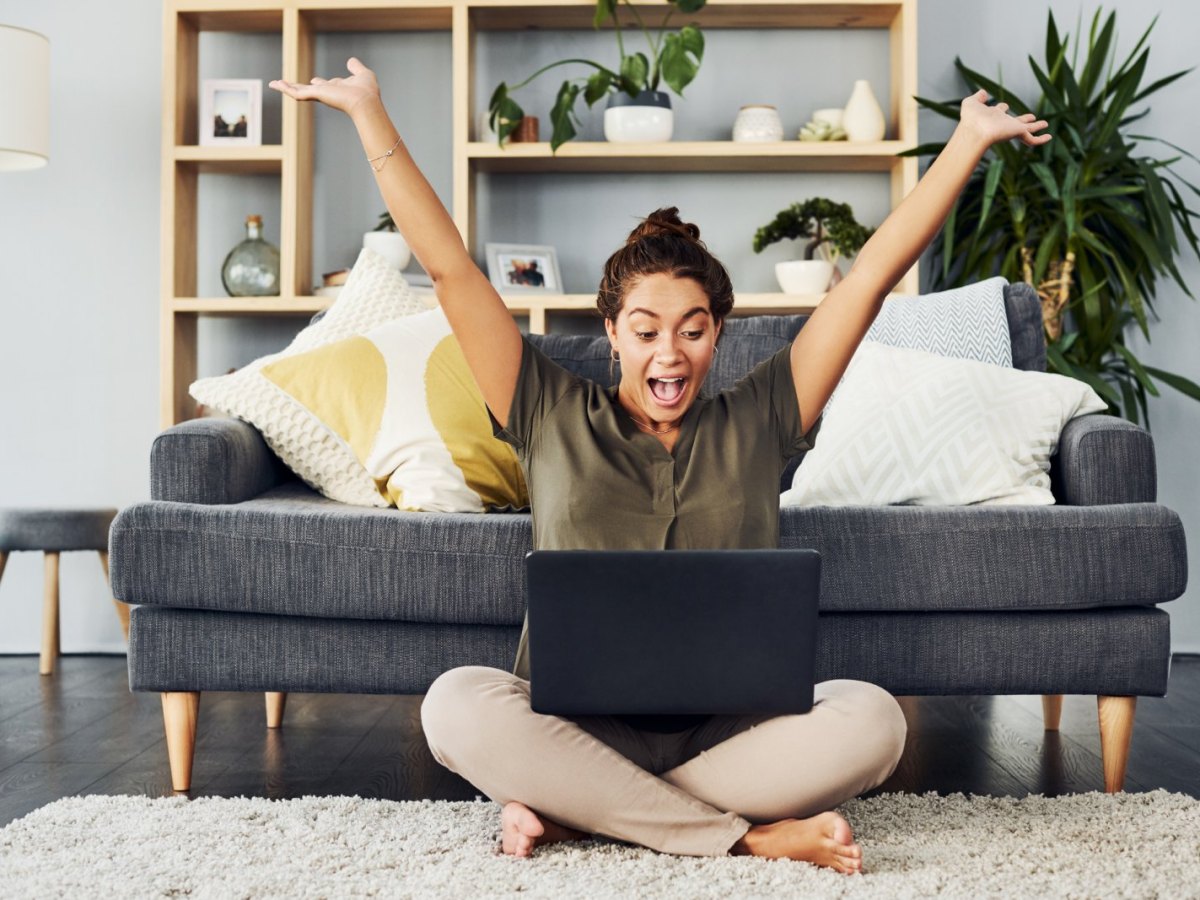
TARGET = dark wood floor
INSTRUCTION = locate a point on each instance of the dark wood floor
(82, 732)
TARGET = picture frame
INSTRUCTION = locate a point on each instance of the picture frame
(231, 112)
(523, 268)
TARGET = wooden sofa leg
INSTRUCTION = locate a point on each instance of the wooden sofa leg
(1116, 728)
(50, 642)
(1052, 710)
(276, 701)
(180, 711)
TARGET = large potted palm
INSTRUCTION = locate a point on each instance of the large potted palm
(1090, 219)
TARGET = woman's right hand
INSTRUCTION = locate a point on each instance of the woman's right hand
(346, 94)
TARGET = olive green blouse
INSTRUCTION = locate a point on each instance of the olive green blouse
(598, 482)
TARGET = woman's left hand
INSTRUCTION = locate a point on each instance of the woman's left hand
(993, 124)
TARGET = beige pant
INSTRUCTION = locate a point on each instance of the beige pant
(693, 793)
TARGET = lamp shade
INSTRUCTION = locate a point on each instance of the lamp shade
(24, 99)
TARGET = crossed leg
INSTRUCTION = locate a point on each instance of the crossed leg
(560, 779)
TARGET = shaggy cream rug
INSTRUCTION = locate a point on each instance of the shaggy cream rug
(1088, 845)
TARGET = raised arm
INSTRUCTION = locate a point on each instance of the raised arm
(823, 348)
(490, 339)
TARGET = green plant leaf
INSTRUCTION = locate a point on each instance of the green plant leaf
(689, 6)
(1159, 85)
(681, 56)
(562, 114)
(504, 113)
(1136, 367)
(1098, 52)
(994, 170)
(598, 86)
(635, 68)
(605, 10)
(1183, 385)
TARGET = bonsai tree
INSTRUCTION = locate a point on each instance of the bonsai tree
(827, 226)
(674, 58)
(1090, 219)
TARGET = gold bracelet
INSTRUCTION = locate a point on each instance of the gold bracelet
(385, 156)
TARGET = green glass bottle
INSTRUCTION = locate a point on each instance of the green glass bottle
(252, 267)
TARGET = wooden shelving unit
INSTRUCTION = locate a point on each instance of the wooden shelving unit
(299, 22)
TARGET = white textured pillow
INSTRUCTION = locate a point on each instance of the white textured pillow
(968, 322)
(910, 427)
(374, 293)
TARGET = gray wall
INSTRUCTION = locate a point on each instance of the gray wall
(79, 240)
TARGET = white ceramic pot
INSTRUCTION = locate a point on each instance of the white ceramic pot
(862, 118)
(390, 245)
(646, 117)
(804, 276)
(757, 123)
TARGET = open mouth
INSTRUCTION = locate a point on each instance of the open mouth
(667, 391)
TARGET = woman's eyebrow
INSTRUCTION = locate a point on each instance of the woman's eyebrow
(687, 315)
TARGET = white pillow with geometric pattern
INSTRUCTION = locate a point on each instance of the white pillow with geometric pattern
(374, 293)
(910, 427)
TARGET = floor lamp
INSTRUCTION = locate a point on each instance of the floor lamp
(24, 99)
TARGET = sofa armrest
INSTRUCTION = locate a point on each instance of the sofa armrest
(1103, 459)
(213, 461)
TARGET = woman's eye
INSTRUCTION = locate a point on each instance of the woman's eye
(693, 335)
(645, 335)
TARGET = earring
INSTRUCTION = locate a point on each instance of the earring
(715, 348)
(616, 357)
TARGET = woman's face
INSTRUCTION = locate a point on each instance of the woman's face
(665, 337)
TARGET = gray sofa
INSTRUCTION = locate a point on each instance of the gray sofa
(247, 580)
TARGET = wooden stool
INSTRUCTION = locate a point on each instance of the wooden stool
(55, 531)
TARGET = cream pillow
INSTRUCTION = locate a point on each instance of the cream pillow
(910, 427)
(402, 398)
(374, 293)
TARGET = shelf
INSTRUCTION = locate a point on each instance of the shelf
(560, 14)
(744, 304)
(689, 156)
(263, 160)
(241, 306)
(232, 15)
(378, 15)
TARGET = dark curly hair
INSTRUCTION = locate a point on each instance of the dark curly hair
(664, 244)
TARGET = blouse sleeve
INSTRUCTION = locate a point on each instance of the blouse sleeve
(541, 384)
(771, 389)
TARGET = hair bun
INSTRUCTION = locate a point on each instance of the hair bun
(664, 221)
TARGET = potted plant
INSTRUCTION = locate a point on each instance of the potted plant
(386, 240)
(637, 110)
(1090, 219)
(831, 231)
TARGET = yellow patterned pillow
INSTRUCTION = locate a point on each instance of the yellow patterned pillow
(403, 400)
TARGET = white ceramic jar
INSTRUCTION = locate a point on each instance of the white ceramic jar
(757, 122)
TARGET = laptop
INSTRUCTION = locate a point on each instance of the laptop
(672, 632)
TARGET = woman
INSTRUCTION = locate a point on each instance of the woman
(651, 465)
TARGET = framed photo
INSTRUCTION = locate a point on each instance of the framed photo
(523, 269)
(231, 112)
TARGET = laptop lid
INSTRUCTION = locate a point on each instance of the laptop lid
(666, 632)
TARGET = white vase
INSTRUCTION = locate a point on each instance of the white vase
(804, 276)
(646, 117)
(863, 119)
(390, 245)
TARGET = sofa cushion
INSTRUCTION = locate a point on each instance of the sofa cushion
(294, 552)
(906, 426)
(374, 293)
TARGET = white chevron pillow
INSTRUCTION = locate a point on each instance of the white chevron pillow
(910, 427)
(967, 322)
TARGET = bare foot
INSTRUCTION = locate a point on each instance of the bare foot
(522, 830)
(823, 840)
